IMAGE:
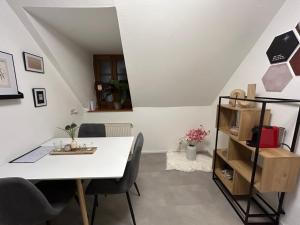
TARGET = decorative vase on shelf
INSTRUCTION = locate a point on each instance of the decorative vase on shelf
(74, 144)
(191, 152)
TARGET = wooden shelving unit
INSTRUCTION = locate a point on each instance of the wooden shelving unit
(238, 185)
(254, 170)
(246, 118)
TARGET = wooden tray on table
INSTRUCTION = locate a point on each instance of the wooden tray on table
(74, 151)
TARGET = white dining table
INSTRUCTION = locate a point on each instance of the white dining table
(108, 161)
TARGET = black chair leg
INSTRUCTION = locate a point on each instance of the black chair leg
(77, 199)
(130, 207)
(95, 205)
(137, 189)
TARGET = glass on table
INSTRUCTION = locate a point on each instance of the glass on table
(90, 146)
(57, 145)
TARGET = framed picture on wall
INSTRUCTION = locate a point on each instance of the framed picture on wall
(39, 97)
(33, 63)
(8, 80)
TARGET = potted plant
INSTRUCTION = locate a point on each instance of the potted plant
(106, 92)
(71, 131)
(120, 93)
(193, 137)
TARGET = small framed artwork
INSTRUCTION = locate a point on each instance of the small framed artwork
(8, 80)
(39, 97)
(33, 63)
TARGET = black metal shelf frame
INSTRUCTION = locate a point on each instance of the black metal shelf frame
(269, 213)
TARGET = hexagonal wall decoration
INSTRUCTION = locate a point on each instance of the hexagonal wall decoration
(282, 47)
(295, 63)
(277, 77)
(298, 27)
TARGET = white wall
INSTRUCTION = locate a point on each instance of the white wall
(252, 70)
(73, 62)
(162, 127)
(23, 126)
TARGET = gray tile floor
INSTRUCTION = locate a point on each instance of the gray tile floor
(168, 198)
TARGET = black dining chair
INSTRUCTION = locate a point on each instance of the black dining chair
(113, 186)
(91, 130)
(23, 203)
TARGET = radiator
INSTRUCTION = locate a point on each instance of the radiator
(118, 129)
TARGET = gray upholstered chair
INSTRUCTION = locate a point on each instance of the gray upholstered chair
(23, 203)
(113, 186)
(91, 130)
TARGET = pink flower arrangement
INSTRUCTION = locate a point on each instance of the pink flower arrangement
(195, 136)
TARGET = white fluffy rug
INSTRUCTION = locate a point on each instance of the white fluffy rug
(178, 161)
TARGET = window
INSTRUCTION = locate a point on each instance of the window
(111, 83)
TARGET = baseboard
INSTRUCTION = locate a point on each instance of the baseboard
(148, 151)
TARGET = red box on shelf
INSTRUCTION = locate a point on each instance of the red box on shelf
(269, 137)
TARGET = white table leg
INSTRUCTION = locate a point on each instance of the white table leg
(81, 197)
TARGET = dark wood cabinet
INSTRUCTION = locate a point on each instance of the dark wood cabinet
(111, 83)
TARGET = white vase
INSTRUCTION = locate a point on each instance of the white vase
(191, 152)
(74, 144)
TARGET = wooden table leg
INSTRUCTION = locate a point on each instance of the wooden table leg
(81, 197)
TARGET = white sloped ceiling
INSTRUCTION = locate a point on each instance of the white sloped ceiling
(181, 53)
(177, 53)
